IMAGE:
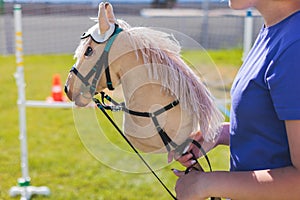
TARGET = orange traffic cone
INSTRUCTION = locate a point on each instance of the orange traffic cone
(56, 91)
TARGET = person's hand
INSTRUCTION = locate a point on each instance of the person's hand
(187, 159)
(190, 186)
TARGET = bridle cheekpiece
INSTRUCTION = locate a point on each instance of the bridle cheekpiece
(100, 64)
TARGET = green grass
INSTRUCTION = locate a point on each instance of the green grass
(223, 58)
(57, 156)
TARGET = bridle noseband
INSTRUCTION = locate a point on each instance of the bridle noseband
(98, 67)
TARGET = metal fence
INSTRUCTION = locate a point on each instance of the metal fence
(56, 28)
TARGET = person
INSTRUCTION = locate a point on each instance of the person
(264, 130)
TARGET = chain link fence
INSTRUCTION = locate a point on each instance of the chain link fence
(56, 28)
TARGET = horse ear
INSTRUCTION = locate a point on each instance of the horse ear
(110, 13)
(102, 18)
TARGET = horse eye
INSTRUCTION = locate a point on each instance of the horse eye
(89, 51)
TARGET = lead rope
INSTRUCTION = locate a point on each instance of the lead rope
(99, 105)
(178, 148)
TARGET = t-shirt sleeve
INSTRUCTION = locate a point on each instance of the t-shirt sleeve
(283, 80)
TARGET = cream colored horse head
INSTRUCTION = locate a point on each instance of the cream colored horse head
(147, 63)
(87, 54)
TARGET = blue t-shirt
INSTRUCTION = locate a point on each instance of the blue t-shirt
(265, 92)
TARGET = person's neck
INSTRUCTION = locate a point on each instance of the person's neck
(276, 11)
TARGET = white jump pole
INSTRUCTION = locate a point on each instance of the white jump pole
(248, 32)
(24, 189)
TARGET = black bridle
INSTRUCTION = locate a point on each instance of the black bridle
(168, 142)
(98, 67)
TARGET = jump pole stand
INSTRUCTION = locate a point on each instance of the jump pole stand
(248, 31)
(24, 189)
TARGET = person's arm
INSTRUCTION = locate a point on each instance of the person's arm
(186, 160)
(224, 137)
(281, 183)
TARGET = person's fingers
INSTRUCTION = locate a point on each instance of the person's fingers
(183, 158)
(189, 163)
(187, 160)
(171, 155)
(178, 172)
(198, 136)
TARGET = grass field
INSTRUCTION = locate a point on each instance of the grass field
(57, 157)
